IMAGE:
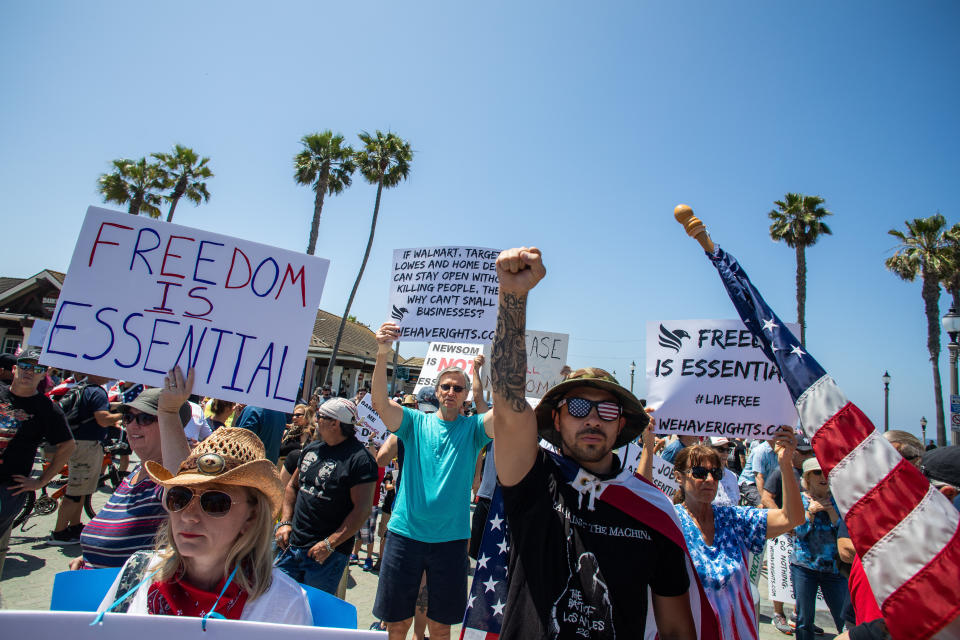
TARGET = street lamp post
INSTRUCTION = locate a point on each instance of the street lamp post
(886, 401)
(951, 324)
(923, 430)
(633, 368)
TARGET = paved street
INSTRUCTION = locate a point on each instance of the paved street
(31, 564)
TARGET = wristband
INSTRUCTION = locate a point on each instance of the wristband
(285, 523)
(326, 543)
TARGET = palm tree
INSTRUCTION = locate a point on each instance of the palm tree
(922, 251)
(133, 181)
(325, 164)
(383, 161)
(185, 171)
(798, 221)
(950, 276)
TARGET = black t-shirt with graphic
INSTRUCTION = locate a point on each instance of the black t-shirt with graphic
(577, 573)
(326, 475)
(24, 424)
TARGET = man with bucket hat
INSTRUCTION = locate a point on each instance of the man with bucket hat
(587, 537)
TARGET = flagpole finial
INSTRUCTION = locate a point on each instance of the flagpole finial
(694, 226)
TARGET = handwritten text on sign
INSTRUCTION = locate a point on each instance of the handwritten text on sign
(370, 427)
(779, 581)
(662, 470)
(710, 378)
(142, 296)
(445, 293)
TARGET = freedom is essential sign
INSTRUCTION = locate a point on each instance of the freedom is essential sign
(143, 296)
(710, 378)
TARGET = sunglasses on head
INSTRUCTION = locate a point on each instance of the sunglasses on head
(447, 386)
(213, 502)
(142, 419)
(28, 367)
(581, 407)
(701, 473)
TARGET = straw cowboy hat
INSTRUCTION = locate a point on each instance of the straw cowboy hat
(231, 456)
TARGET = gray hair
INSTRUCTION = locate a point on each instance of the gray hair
(457, 370)
(910, 445)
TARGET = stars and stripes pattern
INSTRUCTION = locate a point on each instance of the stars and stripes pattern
(906, 533)
(483, 617)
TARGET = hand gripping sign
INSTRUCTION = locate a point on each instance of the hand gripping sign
(710, 378)
(143, 296)
(445, 293)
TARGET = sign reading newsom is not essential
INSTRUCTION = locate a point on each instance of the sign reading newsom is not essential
(143, 296)
(445, 294)
(710, 378)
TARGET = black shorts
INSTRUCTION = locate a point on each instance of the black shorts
(404, 563)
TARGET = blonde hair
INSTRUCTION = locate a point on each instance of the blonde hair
(252, 551)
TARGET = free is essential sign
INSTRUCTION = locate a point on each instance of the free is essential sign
(143, 296)
(710, 378)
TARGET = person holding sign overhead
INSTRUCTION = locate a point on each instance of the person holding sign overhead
(720, 537)
(430, 524)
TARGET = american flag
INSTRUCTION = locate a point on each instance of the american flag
(628, 492)
(488, 595)
(906, 533)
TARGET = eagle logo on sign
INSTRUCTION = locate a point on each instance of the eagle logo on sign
(671, 339)
(398, 314)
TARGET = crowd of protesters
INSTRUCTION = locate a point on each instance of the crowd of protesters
(231, 508)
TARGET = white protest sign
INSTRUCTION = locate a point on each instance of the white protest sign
(710, 378)
(38, 333)
(546, 357)
(143, 295)
(445, 293)
(370, 427)
(662, 470)
(441, 355)
(779, 582)
(123, 626)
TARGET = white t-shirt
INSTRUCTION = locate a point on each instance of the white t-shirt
(197, 429)
(728, 492)
(285, 602)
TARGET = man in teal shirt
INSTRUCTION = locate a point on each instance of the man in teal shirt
(430, 524)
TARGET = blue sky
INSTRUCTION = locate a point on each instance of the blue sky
(573, 128)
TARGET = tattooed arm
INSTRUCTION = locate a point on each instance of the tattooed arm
(515, 445)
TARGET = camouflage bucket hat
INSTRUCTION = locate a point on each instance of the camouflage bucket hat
(636, 418)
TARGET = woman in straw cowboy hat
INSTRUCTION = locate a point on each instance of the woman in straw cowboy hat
(213, 555)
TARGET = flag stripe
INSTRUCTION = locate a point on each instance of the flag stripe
(882, 508)
(915, 542)
(819, 403)
(840, 435)
(861, 470)
(929, 599)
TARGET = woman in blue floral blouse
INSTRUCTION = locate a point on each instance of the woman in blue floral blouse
(814, 560)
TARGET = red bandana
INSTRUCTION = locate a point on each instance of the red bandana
(178, 597)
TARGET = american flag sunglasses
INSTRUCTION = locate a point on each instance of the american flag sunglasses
(580, 408)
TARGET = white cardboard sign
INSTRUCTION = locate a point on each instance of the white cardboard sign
(778, 572)
(123, 626)
(445, 293)
(370, 427)
(710, 378)
(546, 357)
(662, 470)
(143, 295)
(441, 355)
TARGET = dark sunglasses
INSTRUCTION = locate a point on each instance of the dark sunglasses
(816, 472)
(701, 473)
(214, 503)
(298, 415)
(581, 407)
(142, 419)
(447, 386)
(27, 367)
